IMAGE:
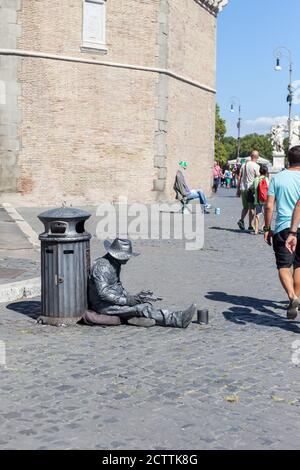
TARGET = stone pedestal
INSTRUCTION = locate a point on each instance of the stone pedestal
(278, 161)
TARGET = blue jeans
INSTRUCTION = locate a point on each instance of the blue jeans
(198, 194)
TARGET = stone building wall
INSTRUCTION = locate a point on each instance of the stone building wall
(87, 130)
(10, 115)
(190, 137)
(88, 133)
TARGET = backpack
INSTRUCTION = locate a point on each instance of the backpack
(262, 191)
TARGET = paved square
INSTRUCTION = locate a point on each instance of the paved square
(233, 384)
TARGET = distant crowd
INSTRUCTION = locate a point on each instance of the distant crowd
(260, 195)
(226, 176)
(278, 199)
(251, 181)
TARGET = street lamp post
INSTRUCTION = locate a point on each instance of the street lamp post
(219, 147)
(236, 102)
(279, 53)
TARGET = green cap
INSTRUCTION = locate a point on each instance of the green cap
(183, 164)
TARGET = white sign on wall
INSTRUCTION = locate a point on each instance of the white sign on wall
(94, 16)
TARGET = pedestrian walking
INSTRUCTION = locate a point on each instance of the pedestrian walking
(228, 177)
(261, 187)
(249, 171)
(223, 179)
(235, 173)
(284, 191)
(217, 174)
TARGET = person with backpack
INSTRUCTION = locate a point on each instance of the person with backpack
(249, 171)
(228, 177)
(261, 187)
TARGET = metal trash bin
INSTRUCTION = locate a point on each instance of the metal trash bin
(65, 265)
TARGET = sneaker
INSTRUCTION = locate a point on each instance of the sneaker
(241, 224)
(208, 206)
(292, 310)
(251, 230)
(206, 212)
(141, 321)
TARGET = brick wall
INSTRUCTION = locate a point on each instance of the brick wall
(191, 115)
(10, 115)
(190, 136)
(91, 133)
(87, 131)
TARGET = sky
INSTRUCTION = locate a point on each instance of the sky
(248, 33)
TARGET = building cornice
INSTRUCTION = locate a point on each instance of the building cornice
(80, 60)
(213, 6)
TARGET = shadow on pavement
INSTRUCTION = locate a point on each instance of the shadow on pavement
(233, 230)
(244, 312)
(242, 316)
(29, 308)
(225, 193)
(245, 301)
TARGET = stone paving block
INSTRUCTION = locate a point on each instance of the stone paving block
(229, 385)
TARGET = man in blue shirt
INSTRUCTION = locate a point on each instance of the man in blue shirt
(284, 191)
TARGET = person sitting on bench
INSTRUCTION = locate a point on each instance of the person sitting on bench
(184, 194)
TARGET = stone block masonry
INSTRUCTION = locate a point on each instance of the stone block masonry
(10, 91)
(89, 133)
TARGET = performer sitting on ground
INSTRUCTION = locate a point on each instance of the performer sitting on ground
(107, 295)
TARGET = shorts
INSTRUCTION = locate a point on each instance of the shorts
(246, 204)
(259, 209)
(285, 259)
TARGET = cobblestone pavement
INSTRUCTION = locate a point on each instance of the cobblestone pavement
(229, 385)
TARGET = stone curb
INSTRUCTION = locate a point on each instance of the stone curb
(20, 290)
(27, 230)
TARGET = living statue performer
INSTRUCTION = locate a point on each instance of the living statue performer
(107, 295)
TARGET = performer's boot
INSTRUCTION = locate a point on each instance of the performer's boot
(180, 319)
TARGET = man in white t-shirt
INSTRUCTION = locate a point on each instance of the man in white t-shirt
(249, 171)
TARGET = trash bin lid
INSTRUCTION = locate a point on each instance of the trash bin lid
(64, 213)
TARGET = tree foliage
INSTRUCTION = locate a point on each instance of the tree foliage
(231, 145)
(221, 154)
(251, 142)
(226, 148)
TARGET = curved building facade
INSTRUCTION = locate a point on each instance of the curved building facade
(102, 98)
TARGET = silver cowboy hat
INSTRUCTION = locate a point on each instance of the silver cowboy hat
(120, 249)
